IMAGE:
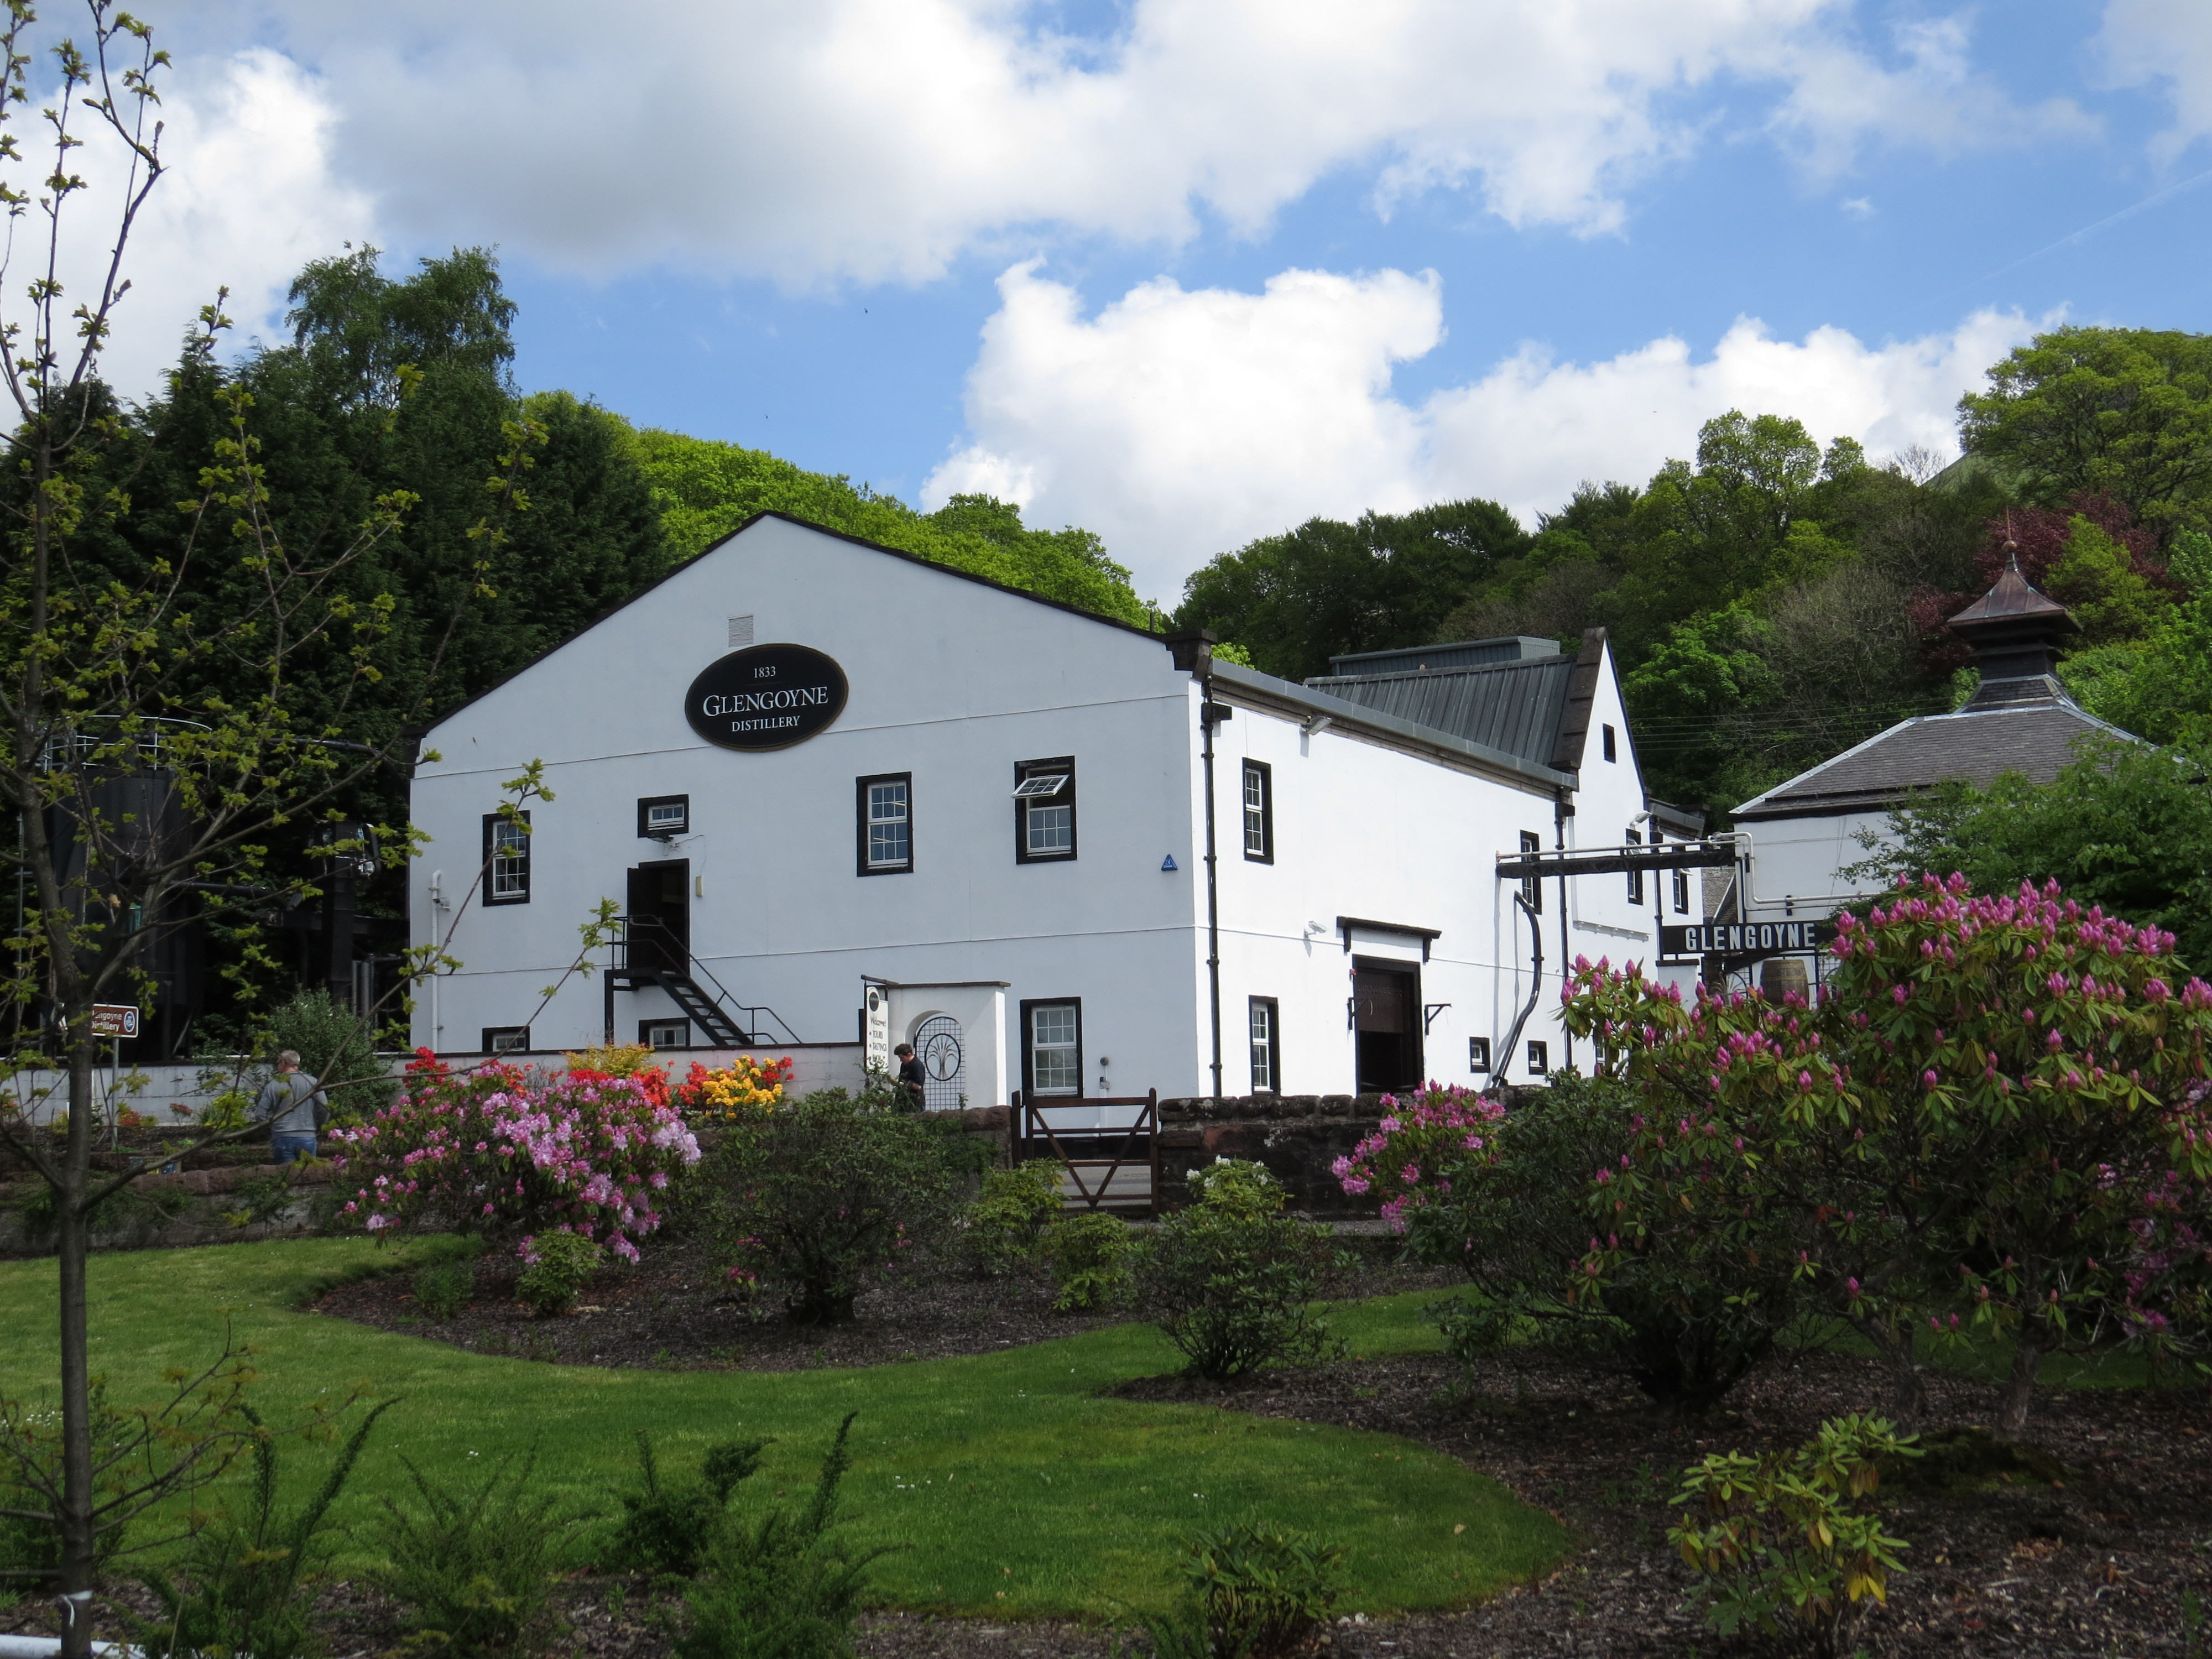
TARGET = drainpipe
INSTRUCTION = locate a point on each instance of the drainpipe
(1502, 1060)
(1562, 809)
(1194, 655)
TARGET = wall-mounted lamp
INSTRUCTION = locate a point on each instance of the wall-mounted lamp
(1317, 724)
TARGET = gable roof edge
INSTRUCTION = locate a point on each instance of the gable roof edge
(716, 546)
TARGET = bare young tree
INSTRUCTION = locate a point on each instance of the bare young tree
(143, 800)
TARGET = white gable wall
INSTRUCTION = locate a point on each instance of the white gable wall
(951, 680)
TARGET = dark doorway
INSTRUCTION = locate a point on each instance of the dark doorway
(660, 917)
(1386, 1018)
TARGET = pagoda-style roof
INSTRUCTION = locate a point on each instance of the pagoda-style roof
(2013, 600)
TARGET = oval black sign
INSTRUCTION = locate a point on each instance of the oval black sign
(768, 696)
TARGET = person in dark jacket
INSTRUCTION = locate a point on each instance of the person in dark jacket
(912, 1078)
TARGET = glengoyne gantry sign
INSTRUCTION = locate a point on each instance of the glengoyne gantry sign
(768, 696)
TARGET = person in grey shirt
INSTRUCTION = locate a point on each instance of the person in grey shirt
(288, 1107)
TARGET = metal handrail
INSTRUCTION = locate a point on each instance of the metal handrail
(620, 964)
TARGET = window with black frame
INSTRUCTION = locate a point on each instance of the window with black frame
(507, 858)
(1044, 811)
(506, 1040)
(1635, 877)
(884, 806)
(1259, 812)
(1532, 889)
(1052, 1047)
(1266, 1036)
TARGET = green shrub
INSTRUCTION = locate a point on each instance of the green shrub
(779, 1588)
(1236, 1186)
(251, 1572)
(999, 1233)
(670, 1527)
(1687, 1312)
(1090, 1258)
(559, 1265)
(474, 1565)
(814, 1200)
(1255, 1590)
(443, 1288)
(1791, 1543)
(337, 1047)
(1234, 1281)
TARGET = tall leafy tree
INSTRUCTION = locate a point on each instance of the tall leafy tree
(1328, 588)
(2123, 412)
(704, 489)
(154, 744)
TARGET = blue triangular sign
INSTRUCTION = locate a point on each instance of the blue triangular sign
(1168, 863)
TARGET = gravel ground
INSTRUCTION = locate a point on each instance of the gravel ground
(2084, 1548)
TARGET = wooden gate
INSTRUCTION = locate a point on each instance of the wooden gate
(1104, 1164)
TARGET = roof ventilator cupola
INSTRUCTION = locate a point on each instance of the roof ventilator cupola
(2013, 630)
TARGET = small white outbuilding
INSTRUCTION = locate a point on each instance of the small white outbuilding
(843, 796)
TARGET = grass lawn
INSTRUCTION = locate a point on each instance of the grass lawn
(1011, 1486)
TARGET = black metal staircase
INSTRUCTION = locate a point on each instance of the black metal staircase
(705, 1014)
(648, 952)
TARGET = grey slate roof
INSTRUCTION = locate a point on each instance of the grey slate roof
(1514, 706)
(1461, 653)
(1975, 746)
(1318, 698)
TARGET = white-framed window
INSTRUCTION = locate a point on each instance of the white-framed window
(506, 858)
(1265, 1021)
(663, 817)
(1052, 1041)
(665, 1033)
(1681, 892)
(1259, 812)
(1044, 811)
(506, 1039)
(885, 807)
(1635, 876)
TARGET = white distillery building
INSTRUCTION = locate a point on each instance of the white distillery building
(843, 796)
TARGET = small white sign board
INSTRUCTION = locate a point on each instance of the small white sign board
(876, 1029)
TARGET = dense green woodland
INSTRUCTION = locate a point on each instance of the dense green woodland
(1770, 602)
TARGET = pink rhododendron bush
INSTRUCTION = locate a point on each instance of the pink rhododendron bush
(1994, 1117)
(1994, 1120)
(1513, 1201)
(502, 1152)
(1408, 1161)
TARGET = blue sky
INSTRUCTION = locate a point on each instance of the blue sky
(1188, 271)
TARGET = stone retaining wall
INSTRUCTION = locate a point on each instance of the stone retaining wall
(1297, 1137)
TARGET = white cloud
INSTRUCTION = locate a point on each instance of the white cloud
(246, 197)
(1178, 425)
(2147, 41)
(1933, 98)
(875, 140)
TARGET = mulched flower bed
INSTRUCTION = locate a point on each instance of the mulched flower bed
(673, 1310)
(2085, 1548)
(2092, 1563)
